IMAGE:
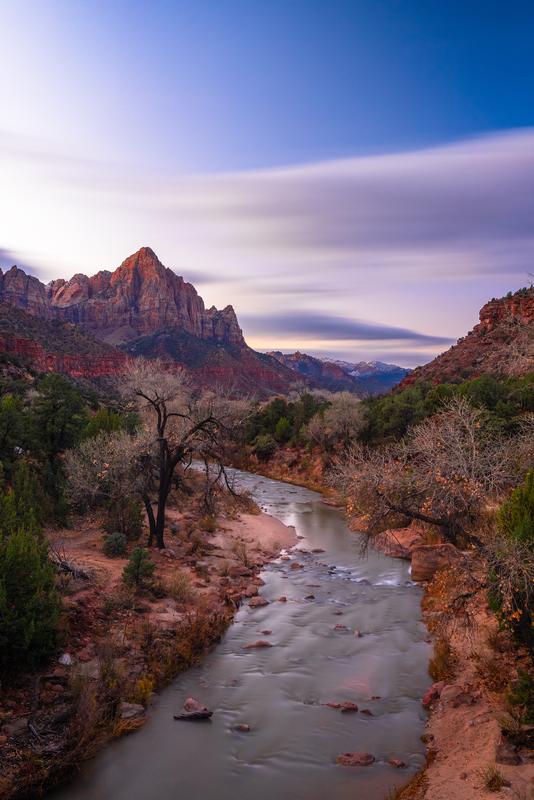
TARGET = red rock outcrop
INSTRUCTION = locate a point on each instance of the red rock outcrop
(501, 344)
(51, 346)
(77, 366)
(145, 309)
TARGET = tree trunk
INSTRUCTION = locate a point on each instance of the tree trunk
(151, 520)
(163, 494)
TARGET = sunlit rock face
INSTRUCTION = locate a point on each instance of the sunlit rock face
(142, 308)
(140, 297)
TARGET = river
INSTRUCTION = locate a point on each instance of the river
(290, 751)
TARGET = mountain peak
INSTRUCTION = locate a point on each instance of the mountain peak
(140, 297)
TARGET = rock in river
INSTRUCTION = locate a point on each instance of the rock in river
(257, 602)
(355, 759)
(258, 644)
(194, 710)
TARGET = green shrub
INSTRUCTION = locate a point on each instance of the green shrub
(139, 569)
(282, 431)
(114, 544)
(125, 515)
(521, 695)
(106, 420)
(264, 447)
(29, 602)
(516, 515)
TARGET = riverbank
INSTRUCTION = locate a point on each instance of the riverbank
(331, 628)
(473, 664)
(475, 741)
(120, 647)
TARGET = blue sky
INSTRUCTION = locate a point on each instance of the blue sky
(365, 161)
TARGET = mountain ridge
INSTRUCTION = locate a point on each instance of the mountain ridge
(363, 378)
(501, 344)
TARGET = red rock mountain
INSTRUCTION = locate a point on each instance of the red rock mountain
(501, 344)
(140, 297)
(147, 309)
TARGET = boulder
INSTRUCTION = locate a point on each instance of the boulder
(355, 759)
(345, 707)
(282, 599)
(432, 694)
(131, 711)
(427, 559)
(260, 643)
(456, 695)
(258, 602)
(243, 728)
(398, 763)
(193, 710)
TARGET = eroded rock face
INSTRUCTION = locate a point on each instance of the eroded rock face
(140, 297)
(147, 310)
(501, 343)
(427, 559)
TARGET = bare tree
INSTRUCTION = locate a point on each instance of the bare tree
(181, 423)
(520, 352)
(443, 473)
(339, 423)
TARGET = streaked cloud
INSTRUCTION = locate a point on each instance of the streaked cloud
(315, 325)
(415, 240)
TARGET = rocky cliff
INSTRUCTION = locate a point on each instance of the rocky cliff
(501, 344)
(140, 297)
(53, 346)
(144, 309)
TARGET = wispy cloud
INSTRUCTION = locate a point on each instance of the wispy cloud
(417, 240)
(315, 325)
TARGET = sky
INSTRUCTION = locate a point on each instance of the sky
(356, 177)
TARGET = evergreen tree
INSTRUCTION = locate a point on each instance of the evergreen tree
(29, 602)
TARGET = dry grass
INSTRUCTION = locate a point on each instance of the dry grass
(123, 727)
(240, 551)
(492, 779)
(180, 588)
(491, 671)
(208, 523)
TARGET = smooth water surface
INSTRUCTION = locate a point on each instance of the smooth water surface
(291, 750)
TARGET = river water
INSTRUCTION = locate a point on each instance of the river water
(290, 752)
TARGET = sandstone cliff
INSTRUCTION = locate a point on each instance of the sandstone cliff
(140, 297)
(501, 344)
(142, 308)
(53, 346)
